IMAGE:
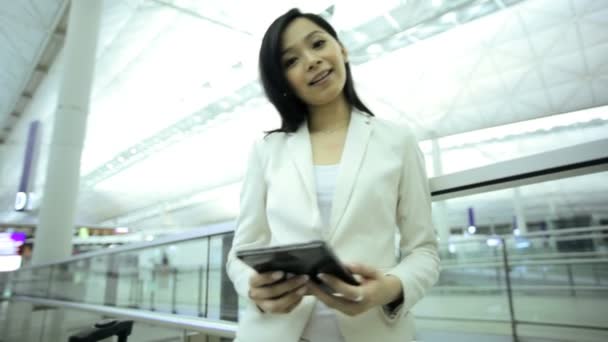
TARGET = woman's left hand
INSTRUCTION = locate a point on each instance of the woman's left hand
(376, 289)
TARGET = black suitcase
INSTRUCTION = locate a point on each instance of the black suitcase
(104, 329)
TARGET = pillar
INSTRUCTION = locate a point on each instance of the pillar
(53, 239)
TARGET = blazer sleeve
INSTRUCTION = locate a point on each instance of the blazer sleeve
(418, 268)
(252, 227)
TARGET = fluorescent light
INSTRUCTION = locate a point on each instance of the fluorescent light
(493, 242)
(9, 263)
(121, 230)
(452, 248)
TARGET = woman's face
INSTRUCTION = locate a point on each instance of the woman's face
(314, 62)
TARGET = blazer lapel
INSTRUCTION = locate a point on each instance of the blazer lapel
(301, 154)
(355, 146)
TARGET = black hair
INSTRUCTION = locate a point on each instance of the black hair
(291, 108)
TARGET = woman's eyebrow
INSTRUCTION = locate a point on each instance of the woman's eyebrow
(305, 38)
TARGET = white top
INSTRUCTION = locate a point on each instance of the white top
(323, 325)
(326, 177)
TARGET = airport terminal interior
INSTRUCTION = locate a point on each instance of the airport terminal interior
(126, 125)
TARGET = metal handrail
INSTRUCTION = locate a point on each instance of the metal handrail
(545, 234)
(206, 232)
(531, 256)
(227, 227)
(467, 288)
(486, 320)
(575, 230)
(580, 159)
(202, 325)
(526, 263)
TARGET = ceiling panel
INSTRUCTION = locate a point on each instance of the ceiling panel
(24, 27)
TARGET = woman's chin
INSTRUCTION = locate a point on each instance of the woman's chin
(327, 97)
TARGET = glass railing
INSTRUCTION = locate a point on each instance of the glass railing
(508, 282)
(532, 285)
(183, 277)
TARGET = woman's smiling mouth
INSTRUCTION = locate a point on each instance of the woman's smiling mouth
(319, 78)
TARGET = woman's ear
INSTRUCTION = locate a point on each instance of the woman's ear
(344, 53)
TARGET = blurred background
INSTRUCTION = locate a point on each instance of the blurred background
(488, 86)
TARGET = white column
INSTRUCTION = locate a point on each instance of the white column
(520, 217)
(58, 208)
(440, 207)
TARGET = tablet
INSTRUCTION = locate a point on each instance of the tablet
(310, 258)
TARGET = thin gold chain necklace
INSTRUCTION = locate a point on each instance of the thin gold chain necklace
(332, 130)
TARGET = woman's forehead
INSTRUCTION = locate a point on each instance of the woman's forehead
(299, 30)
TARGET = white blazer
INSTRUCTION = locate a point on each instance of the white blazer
(381, 190)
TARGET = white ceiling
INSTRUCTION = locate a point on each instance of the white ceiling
(158, 153)
(25, 28)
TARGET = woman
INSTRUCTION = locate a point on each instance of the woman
(334, 172)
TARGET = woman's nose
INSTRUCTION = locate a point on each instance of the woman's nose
(314, 63)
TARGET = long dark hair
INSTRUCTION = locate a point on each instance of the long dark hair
(291, 108)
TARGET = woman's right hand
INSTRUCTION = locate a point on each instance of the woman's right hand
(273, 295)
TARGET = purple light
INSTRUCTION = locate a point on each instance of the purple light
(18, 236)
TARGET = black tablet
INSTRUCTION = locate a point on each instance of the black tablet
(310, 258)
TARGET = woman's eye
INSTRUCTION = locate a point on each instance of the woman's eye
(289, 62)
(318, 44)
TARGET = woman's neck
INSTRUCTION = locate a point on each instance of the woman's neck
(331, 116)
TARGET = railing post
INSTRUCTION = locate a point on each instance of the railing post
(153, 287)
(207, 277)
(596, 276)
(505, 260)
(174, 291)
(571, 280)
(200, 292)
(497, 269)
(140, 295)
(228, 297)
(50, 283)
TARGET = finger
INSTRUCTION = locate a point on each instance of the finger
(287, 302)
(359, 278)
(293, 299)
(363, 270)
(293, 306)
(262, 279)
(287, 286)
(279, 289)
(329, 300)
(345, 306)
(344, 290)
